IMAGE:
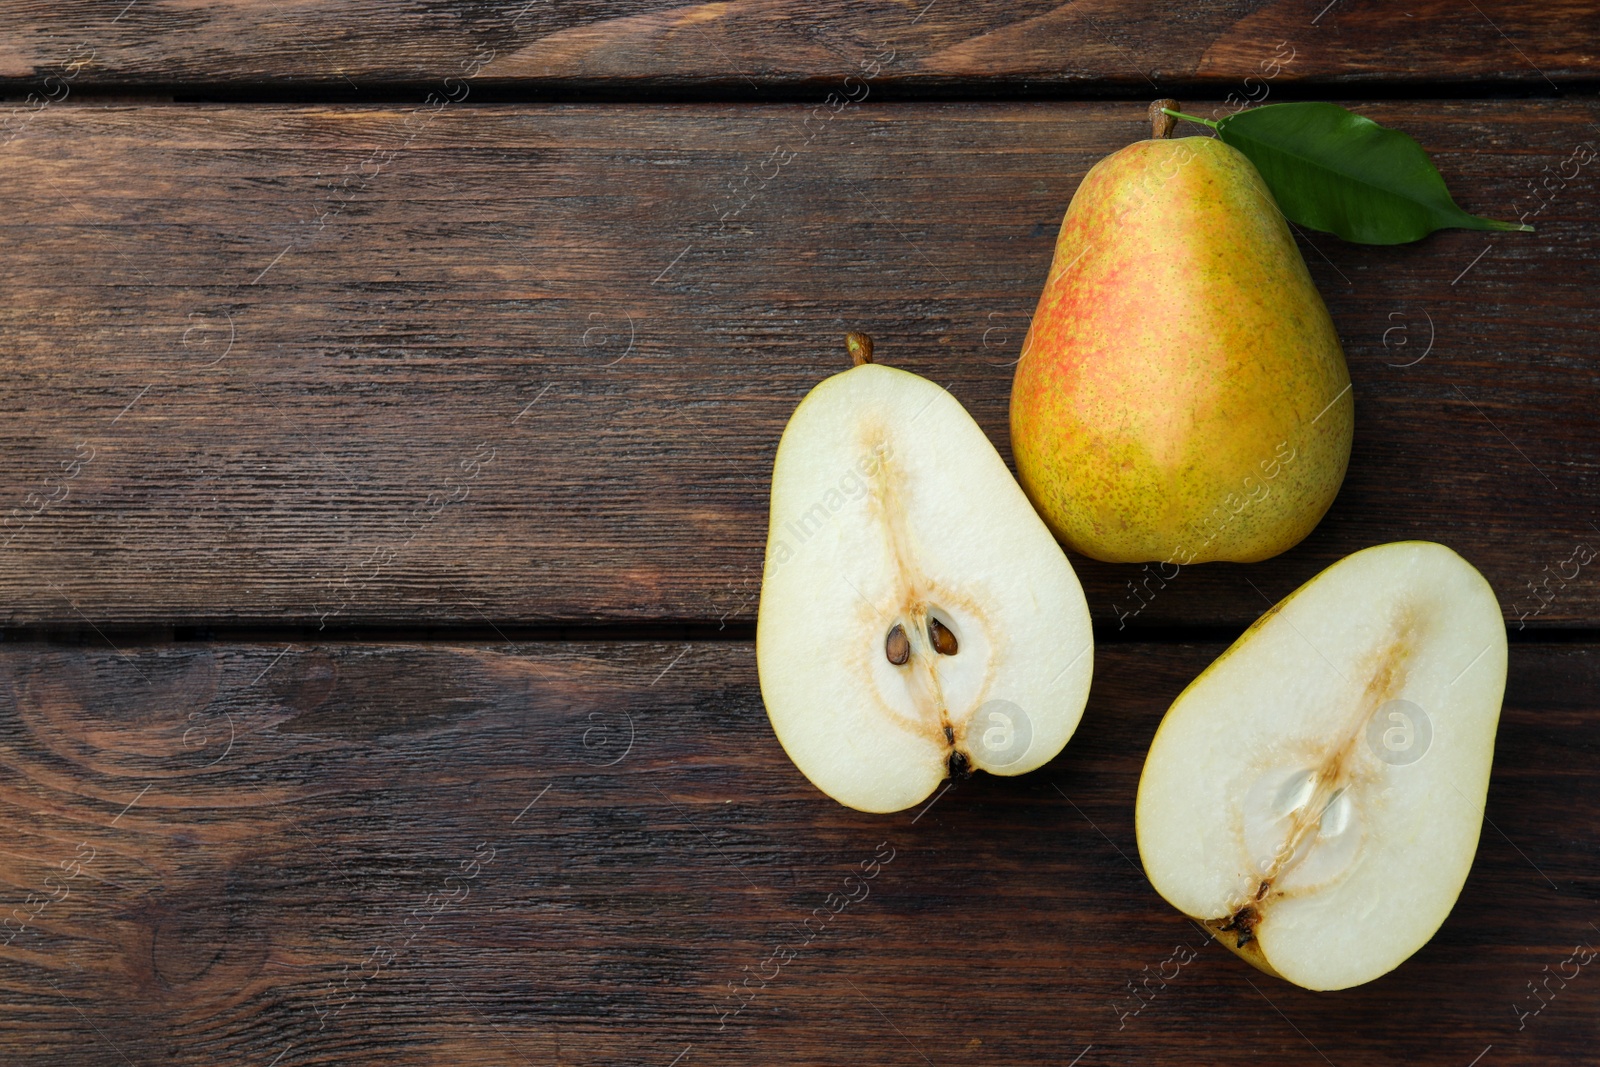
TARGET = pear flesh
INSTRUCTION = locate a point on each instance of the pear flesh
(1315, 795)
(917, 618)
(1181, 394)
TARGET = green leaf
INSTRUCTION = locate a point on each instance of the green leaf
(1336, 171)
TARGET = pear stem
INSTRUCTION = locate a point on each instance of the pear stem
(1161, 121)
(1189, 118)
(860, 346)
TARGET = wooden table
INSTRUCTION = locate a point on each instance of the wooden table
(391, 395)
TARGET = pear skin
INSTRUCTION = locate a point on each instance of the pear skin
(1181, 394)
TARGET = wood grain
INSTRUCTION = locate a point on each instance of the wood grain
(752, 46)
(528, 365)
(567, 853)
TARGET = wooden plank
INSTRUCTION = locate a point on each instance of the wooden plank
(569, 853)
(329, 366)
(772, 44)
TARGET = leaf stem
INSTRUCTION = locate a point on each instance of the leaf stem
(1189, 118)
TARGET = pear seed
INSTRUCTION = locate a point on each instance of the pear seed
(944, 642)
(898, 646)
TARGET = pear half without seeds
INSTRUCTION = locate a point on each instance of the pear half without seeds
(1315, 796)
(917, 618)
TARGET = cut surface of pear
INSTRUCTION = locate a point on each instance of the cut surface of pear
(917, 619)
(1315, 795)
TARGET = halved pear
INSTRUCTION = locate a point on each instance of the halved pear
(1315, 795)
(917, 618)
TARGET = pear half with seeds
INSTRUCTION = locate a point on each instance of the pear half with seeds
(917, 618)
(1315, 796)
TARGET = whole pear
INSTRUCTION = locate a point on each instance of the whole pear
(1181, 394)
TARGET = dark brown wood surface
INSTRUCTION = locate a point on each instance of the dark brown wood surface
(566, 854)
(313, 395)
(529, 364)
(765, 45)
